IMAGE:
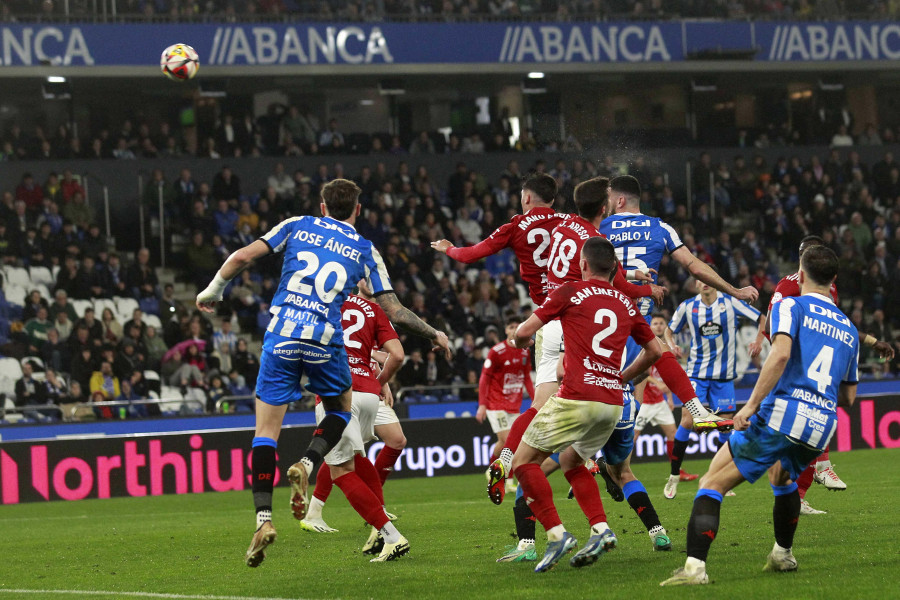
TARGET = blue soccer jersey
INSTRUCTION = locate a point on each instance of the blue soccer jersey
(713, 332)
(824, 353)
(640, 242)
(323, 260)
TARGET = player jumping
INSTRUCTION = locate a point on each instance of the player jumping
(789, 419)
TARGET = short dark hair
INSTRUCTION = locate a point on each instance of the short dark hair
(626, 185)
(810, 241)
(542, 185)
(341, 197)
(600, 255)
(820, 264)
(591, 197)
(658, 315)
(513, 318)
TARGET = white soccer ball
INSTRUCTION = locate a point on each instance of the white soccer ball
(179, 62)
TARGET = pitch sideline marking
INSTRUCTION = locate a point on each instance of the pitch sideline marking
(139, 595)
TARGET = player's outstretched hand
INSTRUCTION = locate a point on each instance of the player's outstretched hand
(884, 350)
(442, 245)
(742, 419)
(747, 294)
(645, 276)
(754, 347)
(658, 292)
(442, 342)
(480, 413)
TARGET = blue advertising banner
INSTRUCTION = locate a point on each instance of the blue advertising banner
(444, 43)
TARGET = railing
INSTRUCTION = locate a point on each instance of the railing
(110, 404)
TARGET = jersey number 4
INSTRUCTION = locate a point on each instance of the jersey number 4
(820, 369)
(325, 292)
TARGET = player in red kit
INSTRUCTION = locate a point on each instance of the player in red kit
(821, 470)
(366, 328)
(579, 420)
(506, 373)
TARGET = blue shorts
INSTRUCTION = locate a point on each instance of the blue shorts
(717, 395)
(619, 445)
(285, 360)
(760, 447)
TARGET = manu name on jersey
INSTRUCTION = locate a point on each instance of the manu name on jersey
(824, 354)
(323, 260)
(640, 242)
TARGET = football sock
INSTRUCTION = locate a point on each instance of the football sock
(314, 510)
(362, 499)
(599, 527)
(494, 456)
(822, 464)
(366, 471)
(639, 501)
(327, 434)
(515, 435)
(323, 484)
(263, 463)
(524, 518)
(539, 494)
(806, 479)
(824, 457)
(587, 494)
(555, 533)
(785, 513)
(390, 533)
(384, 462)
(697, 410)
(262, 516)
(704, 523)
(724, 437)
(670, 445)
(676, 379)
(679, 447)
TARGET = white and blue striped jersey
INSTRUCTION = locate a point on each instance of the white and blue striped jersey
(323, 260)
(824, 353)
(714, 334)
(640, 242)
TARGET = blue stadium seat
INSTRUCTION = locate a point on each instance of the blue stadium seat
(450, 398)
(428, 399)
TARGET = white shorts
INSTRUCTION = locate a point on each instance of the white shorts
(551, 342)
(654, 414)
(582, 424)
(359, 430)
(386, 415)
(501, 420)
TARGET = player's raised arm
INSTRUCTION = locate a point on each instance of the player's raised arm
(492, 245)
(234, 264)
(407, 319)
(702, 271)
(884, 350)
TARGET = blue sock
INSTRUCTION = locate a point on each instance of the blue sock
(633, 487)
(723, 437)
(682, 434)
(519, 492)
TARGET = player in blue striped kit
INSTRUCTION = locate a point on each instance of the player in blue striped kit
(713, 320)
(790, 418)
(324, 258)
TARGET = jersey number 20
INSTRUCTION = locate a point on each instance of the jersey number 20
(296, 285)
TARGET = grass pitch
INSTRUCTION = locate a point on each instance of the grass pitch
(192, 546)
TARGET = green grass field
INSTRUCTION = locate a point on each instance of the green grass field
(193, 545)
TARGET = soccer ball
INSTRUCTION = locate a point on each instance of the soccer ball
(179, 62)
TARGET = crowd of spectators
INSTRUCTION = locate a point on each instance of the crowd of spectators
(749, 228)
(459, 10)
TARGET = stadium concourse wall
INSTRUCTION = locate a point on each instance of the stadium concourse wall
(122, 177)
(75, 467)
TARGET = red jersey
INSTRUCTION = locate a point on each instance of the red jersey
(565, 255)
(789, 287)
(652, 395)
(597, 319)
(506, 372)
(529, 237)
(366, 328)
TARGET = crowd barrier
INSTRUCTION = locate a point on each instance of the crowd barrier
(201, 461)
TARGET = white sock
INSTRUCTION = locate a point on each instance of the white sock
(506, 457)
(390, 533)
(308, 465)
(779, 550)
(656, 529)
(694, 565)
(599, 528)
(697, 410)
(555, 534)
(822, 465)
(523, 544)
(263, 516)
(315, 508)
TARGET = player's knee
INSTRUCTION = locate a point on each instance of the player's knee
(398, 442)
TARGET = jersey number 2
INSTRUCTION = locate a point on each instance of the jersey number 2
(538, 256)
(359, 320)
(600, 317)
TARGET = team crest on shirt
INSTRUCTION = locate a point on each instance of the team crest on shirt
(710, 330)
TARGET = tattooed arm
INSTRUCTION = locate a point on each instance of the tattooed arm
(407, 319)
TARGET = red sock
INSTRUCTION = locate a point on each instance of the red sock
(384, 462)
(362, 499)
(823, 456)
(366, 471)
(323, 483)
(518, 429)
(806, 478)
(587, 494)
(539, 494)
(675, 378)
(670, 448)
